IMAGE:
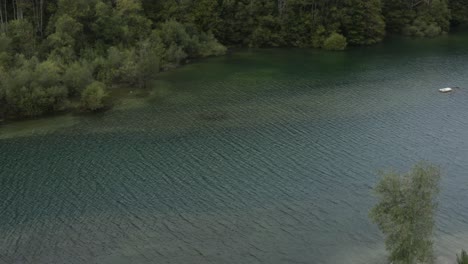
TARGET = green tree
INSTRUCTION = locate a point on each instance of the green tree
(405, 213)
(3, 103)
(439, 13)
(148, 63)
(459, 9)
(6, 51)
(77, 76)
(398, 14)
(134, 25)
(63, 41)
(22, 36)
(335, 42)
(463, 258)
(129, 41)
(362, 22)
(176, 42)
(107, 27)
(93, 96)
(34, 88)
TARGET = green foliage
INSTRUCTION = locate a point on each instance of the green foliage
(118, 67)
(130, 41)
(420, 28)
(175, 43)
(362, 22)
(335, 42)
(77, 76)
(93, 96)
(34, 88)
(405, 213)
(439, 13)
(21, 33)
(6, 51)
(63, 40)
(3, 104)
(207, 45)
(148, 63)
(417, 19)
(463, 258)
(398, 14)
(459, 9)
(107, 27)
(133, 23)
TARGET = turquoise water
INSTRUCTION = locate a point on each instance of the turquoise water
(260, 156)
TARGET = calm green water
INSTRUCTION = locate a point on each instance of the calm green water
(264, 156)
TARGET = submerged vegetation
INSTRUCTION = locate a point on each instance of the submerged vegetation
(62, 54)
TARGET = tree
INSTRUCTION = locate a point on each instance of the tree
(33, 88)
(129, 41)
(63, 41)
(405, 213)
(463, 258)
(459, 9)
(3, 104)
(6, 51)
(22, 36)
(148, 64)
(398, 14)
(335, 42)
(77, 76)
(362, 22)
(135, 26)
(92, 97)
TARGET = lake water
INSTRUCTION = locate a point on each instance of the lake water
(262, 156)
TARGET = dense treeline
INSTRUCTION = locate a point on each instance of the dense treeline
(62, 54)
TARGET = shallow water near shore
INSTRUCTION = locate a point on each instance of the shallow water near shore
(261, 156)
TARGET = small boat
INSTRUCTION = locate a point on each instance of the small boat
(445, 90)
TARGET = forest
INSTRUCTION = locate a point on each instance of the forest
(58, 55)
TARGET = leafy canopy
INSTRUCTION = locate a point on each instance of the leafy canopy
(405, 213)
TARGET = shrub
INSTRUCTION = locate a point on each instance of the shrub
(77, 76)
(421, 28)
(92, 97)
(319, 36)
(209, 46)
(118, 67)
(33, 88)
(335, 42)
(176, 42)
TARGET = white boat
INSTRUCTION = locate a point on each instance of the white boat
(445, 90)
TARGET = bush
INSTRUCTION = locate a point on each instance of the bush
(33, 88)
(209, 46)
(92, 97)
(319, 36)
(118, 67)
(432, 30)
(421, 28)
(77, 76)
(335, 42)
(176, 42)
